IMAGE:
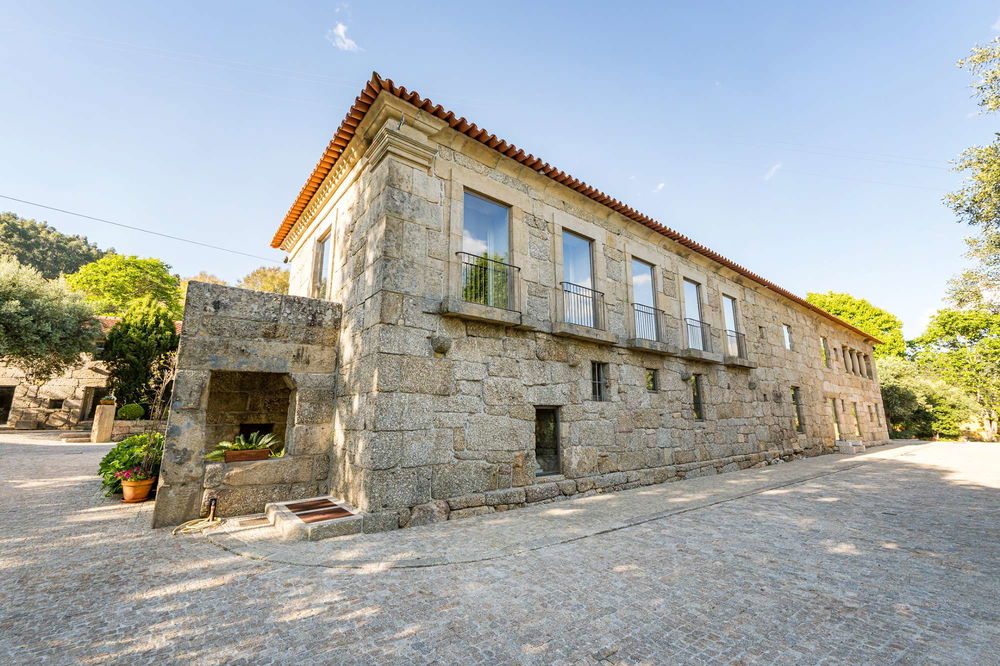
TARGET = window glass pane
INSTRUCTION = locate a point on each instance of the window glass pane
(485, 228)
(729, 312)
(692, 300)
(321, 268)
(642, 283)
(576, 260)
(787, 331)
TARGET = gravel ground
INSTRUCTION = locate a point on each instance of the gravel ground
(891, 557)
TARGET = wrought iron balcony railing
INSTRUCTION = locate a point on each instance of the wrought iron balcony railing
(649, 323)
(489, 282)
(698, 335)
(736, 344)
(582, 306)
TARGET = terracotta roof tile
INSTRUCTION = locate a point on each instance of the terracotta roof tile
(377, 84)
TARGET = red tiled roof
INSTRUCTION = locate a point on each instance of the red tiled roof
(377, 84)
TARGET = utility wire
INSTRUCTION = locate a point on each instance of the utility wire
(148, 231)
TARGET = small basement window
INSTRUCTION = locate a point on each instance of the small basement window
(547, 440)
(56, 403)
(652, 381)
(599, 381)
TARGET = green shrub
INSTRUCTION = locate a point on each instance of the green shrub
(131, 412)
(144, 451)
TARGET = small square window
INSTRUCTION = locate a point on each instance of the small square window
(599, 381)
(697, 400)
(652, 381)
(56, 403)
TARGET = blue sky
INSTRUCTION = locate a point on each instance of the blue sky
(807, 141)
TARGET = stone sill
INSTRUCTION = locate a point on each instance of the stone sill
(653, 346)
(699, 355)
(739, 362)
(585, 333)
(454, 307)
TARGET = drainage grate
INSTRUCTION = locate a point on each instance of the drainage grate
(325, 514)
(310, 505)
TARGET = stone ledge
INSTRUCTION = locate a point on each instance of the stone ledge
(653, 346)
(585, 333)
(454, 307)
(699, 355)
(739, 362)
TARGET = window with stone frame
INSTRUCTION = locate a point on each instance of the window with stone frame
(857, 419)
(321, 266)
(697, 397)
(824, 350)
(786, 332)
(652, 380)
(800, 422)
(599, 381)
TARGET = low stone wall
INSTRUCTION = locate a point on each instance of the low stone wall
(245, 487)
(122, 429)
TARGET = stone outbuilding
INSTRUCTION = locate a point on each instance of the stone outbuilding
(472, 330)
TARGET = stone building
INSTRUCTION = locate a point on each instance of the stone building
(66, 401)
(473, 329)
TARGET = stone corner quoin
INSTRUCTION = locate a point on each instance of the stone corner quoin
(414, 408)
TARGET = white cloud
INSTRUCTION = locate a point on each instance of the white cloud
(659, 188)
(337, 36)
(773, 170)
(996, 26)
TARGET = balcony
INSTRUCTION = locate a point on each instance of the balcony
(698, 342)
(650, 331)
(488, 290)
(735, 352)
(583, 314)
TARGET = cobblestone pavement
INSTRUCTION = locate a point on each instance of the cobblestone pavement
(891, 557)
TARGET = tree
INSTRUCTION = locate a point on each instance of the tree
(137, 350)
(867, 317)
(920, 405)
(114, 281)
(962, 347)
(266, 278)
(40, 246)
(977, 202)
(44, 327)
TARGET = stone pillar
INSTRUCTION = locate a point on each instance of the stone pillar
(104, 423)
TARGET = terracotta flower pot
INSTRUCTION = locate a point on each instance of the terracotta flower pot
(249, 454)
(136, 491)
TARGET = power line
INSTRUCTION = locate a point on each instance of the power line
(148, 231)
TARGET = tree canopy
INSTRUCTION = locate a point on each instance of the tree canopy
(977, 202)
(266, 278)
(42, 247)
(136, 349)
(114, 281)
(867, 317)
(919, 405)
(44, 327)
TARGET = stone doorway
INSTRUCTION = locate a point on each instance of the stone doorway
(6, 402)
(547, 459)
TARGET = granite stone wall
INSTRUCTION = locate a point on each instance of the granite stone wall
(62, 402)
(288, 343)
(436, 397)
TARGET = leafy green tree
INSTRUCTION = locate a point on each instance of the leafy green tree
(114, 281)
(920, 405)
(977, 202)
(40, 246)
(962, 347)
(44, 327)
(137, 350)
(266, 278)
(869, 318)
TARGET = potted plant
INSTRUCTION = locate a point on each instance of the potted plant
(145, 451)
(136, 484)
(107, 400)
(255, 446)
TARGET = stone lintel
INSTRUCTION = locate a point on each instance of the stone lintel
(586, 333)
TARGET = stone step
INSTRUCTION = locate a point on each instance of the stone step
(313, 518)
(850, 446)
(75, 436)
